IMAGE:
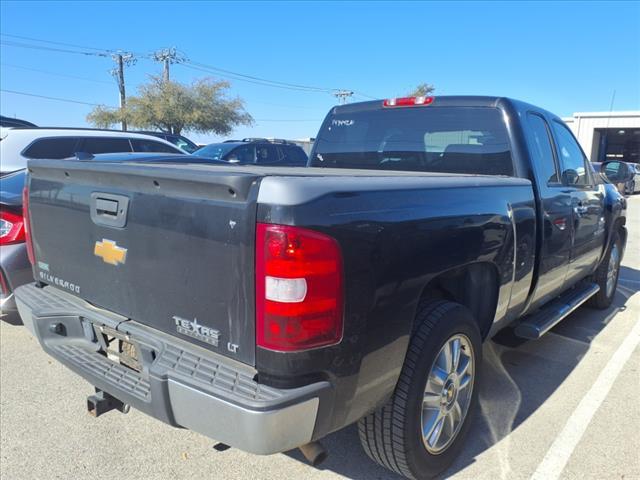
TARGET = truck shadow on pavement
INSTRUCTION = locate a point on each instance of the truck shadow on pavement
(512, 389)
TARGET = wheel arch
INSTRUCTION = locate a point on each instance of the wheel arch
(474, 285)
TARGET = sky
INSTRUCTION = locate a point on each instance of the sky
(563, 56)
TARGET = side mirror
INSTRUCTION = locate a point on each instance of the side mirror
(617, 172)
(570, 176)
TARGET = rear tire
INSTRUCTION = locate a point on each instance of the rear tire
(425, 397)
(607, 274)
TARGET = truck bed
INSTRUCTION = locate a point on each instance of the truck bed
(188, 238)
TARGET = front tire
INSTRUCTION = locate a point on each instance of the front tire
(421, 429)
(606, 275)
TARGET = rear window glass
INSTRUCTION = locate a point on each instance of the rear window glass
(56, 148)
(431, 139)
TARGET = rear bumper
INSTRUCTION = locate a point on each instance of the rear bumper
(179, 383)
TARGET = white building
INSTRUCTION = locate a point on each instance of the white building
(608, 135)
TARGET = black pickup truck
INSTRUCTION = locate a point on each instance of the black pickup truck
(268, 307)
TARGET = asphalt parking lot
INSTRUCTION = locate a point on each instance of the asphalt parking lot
(566, 406)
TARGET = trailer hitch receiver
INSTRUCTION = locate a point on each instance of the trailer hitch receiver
(101, 402)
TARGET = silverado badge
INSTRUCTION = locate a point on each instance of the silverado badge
(110, 252)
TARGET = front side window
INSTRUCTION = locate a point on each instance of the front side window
(217, 151)
(244, 154)
(573, 164)
(471, 140)
(183, 144)
(56, 148)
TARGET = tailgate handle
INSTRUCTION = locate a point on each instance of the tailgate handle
(109, 209)
(106, 207)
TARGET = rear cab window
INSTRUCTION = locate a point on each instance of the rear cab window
(470, 140)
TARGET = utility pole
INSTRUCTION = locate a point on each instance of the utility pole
(343, 95)
(121, 60)
(168, 56)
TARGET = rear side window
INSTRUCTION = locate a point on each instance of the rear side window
(56, 148)
(542, 149)
(151, 146)
(294, 155)
(266, 154)
(105, 145)
(430, 139)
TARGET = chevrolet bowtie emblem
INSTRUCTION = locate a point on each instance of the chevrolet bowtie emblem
(110, 252)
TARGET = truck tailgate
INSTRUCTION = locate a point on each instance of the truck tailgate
(170, 246)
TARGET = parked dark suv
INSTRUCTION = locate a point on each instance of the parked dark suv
(258, 151)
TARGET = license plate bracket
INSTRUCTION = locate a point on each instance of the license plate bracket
(118, 347)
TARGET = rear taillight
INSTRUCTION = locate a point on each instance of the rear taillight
(407, 102)
(27, 224)
(298, 288)
(11, 228)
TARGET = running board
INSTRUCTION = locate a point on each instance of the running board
(536, 325)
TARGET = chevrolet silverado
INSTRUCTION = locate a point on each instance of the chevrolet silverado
(268, 307)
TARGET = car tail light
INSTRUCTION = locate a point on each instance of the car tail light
(407, 102)
(11, 228)
(27, 224)
(298, 288)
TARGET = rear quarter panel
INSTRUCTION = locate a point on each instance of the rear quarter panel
(394, 240)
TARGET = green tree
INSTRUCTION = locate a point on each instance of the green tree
(171, 107)
(422, 90)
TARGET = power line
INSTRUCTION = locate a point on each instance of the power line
(364, 95)
(255, 82)
(108, 106)
(55, 43)
(171, 56)
(55, 73)
(301, 107)
(55, 98)
(9, 43)
(259, 79)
